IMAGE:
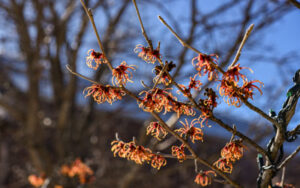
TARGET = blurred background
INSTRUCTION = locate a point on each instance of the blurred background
(45, 120)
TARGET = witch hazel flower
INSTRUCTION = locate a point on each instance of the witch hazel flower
(204, 64)
(94, 59)
(204, 178)
(121, 74)
(147, 54)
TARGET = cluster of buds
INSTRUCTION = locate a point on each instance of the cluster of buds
(207, 105)
(147, 54)
(229, 86)
(137, 153)
(102, 93)
(204, 178)
(232, 152)
(158, 99)
(205, 64)
(78, 168)
(94, 59)
(121, 74)
(155, 129)
(189, 130)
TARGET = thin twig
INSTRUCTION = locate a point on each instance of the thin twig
(295, 3)
(142, 26)
(196, 166)
(160, 75)
(91, 17)
(295, 131)
(81, 76)
(238, 53)
(282, 177)
(288, 158)
(187, 45)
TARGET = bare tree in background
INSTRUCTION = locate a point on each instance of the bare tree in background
(43, 123)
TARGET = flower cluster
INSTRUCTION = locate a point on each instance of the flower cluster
(205, 65)
(230, 88)
(102, 93)
(204, 178)
(121, 74)
(159, 99)
(94, 59)
(137, 153)
(190, 130)
(155, 129)
(147, 54)
(78, 168)
(179, 152)
(193, 84)
(36, 181)
(164, 78)
(232, 152)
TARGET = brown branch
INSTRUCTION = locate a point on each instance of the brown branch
(294, 131)
(238, 53)
(295, 3)
(142, 26)
(288, 158)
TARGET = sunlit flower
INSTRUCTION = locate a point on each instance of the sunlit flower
(94, 59)
(233, 73)
(190, 130)
(248, 88)
(36, 181)
(58, 186)
(118, 147)
(102, 93)
(204, 178)
(147, 54)
(224, 165)
(193, 84)
(233, 150)
(141, 154)
(155, 129)
(230, 90)
(158, 161)
(182, 108)
(78, 168)
(179, 152)
(204, 65)
(121, 74)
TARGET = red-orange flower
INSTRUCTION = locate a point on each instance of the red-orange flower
(233, 73)
(224, 165)
(233, 150)
(248, 88)
(147, 54)
(155, 129)
(204, 178)
(193, 84)
(102, 93)
(204, 65)
(118, 147)
(78, 168)
(94, 59)
(164, 78)
(190, 130)
(36, 181)
(182, 108)
(179, 152)
(158, 161)
(231, 91)
(121, 74)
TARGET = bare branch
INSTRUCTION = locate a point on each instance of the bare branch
(238, 53)
(142, 26)
(295, 3)
(287, 159)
